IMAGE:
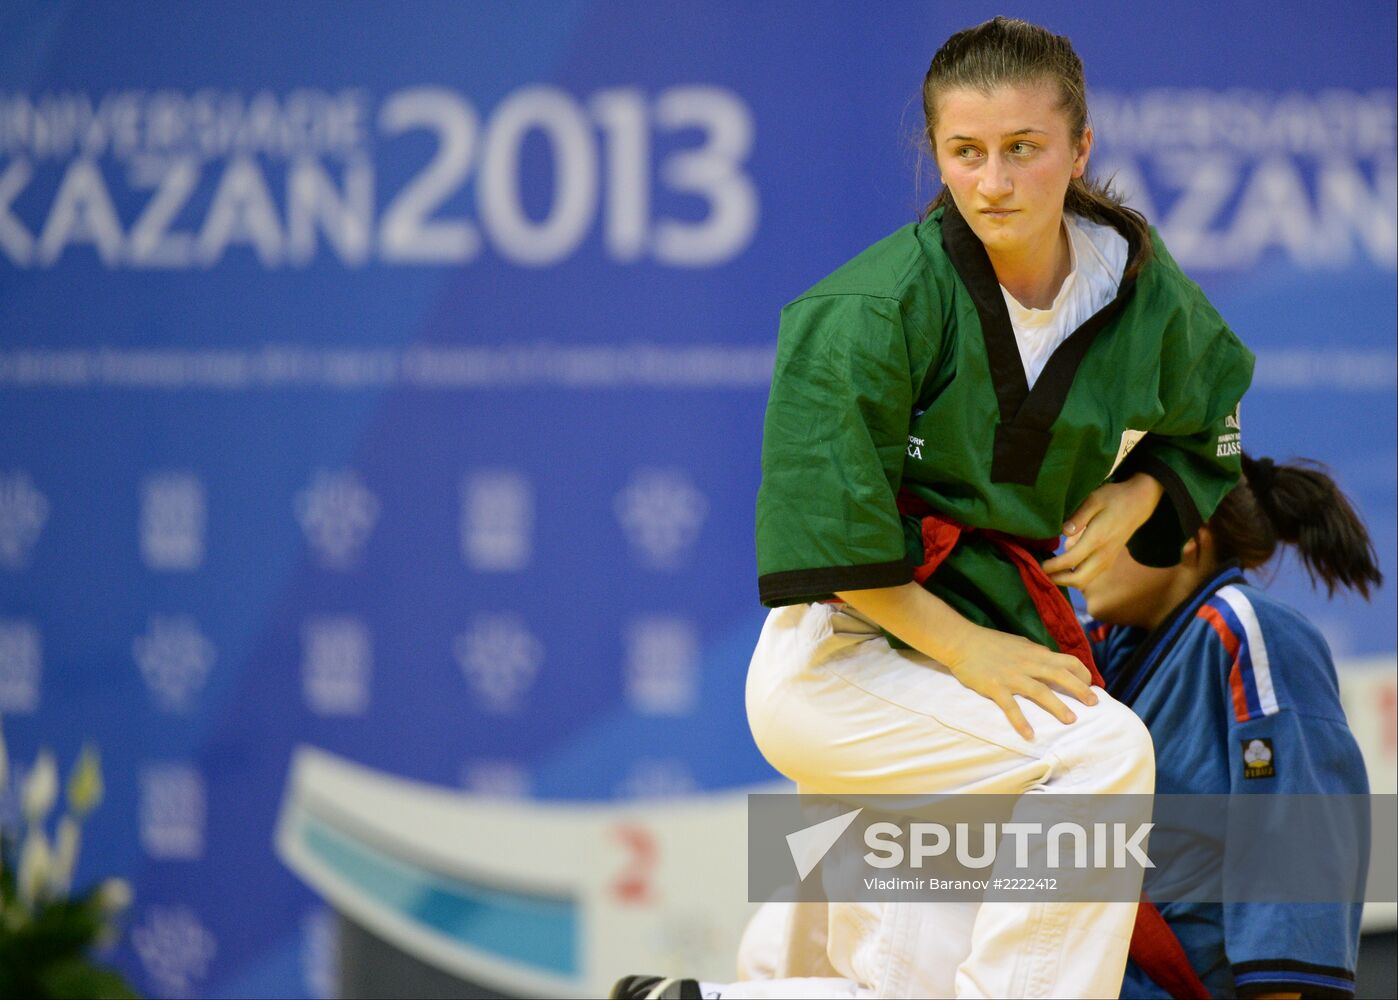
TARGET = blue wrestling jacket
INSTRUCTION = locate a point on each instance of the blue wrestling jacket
(1240, 695)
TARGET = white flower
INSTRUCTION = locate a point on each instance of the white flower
(65, 856)
(85, 783)
(34, 865)
(40, 788)
(114, 895)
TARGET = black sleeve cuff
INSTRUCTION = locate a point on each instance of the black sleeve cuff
(1285, 975)
(803, 586)
(1176, 518)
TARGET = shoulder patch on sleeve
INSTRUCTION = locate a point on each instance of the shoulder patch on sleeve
(1259, 758)
(1231, 616)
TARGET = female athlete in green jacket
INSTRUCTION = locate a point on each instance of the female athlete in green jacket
(1025, 361)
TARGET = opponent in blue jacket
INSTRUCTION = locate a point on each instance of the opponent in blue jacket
(1240, 695)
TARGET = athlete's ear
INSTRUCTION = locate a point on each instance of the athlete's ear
(1199, 549)
(1083, 151)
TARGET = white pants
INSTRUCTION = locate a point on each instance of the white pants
(838, 711)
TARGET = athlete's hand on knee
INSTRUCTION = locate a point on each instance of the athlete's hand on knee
(1098, 530)
(999, 666)
(991, 663)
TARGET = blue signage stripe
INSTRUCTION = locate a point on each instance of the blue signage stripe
(539, 931)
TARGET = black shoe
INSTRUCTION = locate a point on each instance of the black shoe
(655, 988)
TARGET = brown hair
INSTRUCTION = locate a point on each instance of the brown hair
(1008, 51)
(1296, 504)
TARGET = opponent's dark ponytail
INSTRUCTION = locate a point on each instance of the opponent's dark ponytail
(1296, 504)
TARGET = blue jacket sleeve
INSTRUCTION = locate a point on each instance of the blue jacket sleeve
(1293, 740)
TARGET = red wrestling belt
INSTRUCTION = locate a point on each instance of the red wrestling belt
(939, 537)
(1154, 946)
(1156, 949)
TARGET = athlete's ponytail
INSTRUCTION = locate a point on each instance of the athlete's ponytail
(1296, 504)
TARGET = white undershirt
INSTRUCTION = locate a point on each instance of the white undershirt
(1096, 260)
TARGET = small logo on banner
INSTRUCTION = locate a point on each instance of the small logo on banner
(173, 812)
(337, 513)
(336, 664)
(662, 666)
(500, 658)
(23, 511)
(497, 520)
(175, 659)
(1258, 759)
(496, 779)
(174, 515)
(21, 666)
(175, 949)
(661, 513)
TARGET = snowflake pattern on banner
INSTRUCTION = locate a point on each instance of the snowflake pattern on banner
(496, 779)
(657, 778)
(21, 666)
(175, 949)
(23, 513)
(337, 513)
(500, 659)
(661, 513)
(175, 658)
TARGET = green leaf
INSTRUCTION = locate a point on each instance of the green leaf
(8, 864)
(79, 979)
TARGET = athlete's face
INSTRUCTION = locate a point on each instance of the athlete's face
(1127, 593)
(1007, 157)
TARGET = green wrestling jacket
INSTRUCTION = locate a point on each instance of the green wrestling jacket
(900, 371)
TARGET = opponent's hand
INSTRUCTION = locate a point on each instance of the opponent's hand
(999, 666)
(1099, 529)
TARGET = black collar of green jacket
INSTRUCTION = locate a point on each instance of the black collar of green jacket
(1022, 437)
